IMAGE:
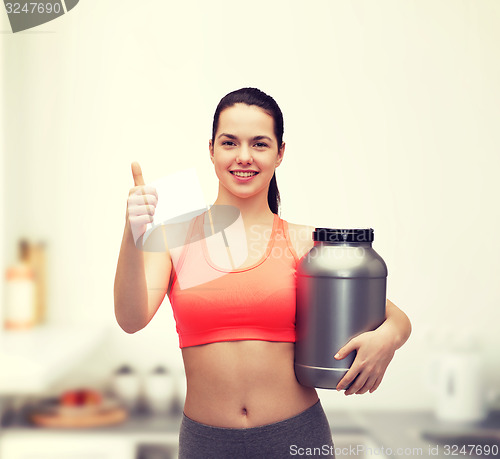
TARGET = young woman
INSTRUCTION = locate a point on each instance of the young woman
(234, 304)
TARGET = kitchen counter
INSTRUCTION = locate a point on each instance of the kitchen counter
(395, 434)
(419, 433)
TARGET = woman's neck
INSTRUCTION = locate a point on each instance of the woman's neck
(254, 210)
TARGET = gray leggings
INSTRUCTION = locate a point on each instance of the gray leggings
(307, 434)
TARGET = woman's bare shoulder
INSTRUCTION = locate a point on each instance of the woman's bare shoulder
(301, 238)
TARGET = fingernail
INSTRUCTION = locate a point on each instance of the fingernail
(337, 355)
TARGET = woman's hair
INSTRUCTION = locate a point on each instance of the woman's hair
(254, 96)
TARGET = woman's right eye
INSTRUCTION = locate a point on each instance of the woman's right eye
(227, 142)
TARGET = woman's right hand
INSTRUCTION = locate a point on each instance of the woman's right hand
(141, 203)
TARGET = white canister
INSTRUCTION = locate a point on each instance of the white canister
(127, 386)
(159, 390)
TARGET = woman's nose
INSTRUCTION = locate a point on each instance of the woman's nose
(244, 155)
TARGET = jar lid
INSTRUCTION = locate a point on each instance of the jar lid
(343, 235)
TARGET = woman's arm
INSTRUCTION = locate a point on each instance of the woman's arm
(375, 350)
(143, 271)
(396, 325)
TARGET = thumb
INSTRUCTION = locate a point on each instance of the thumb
(137, 173)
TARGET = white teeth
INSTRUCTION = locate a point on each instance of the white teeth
(244, 174)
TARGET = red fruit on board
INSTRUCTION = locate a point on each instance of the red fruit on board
(69, 398)
(81, 397)
(92, 397)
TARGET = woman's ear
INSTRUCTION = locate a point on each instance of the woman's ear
(211, 149)
(281, 153)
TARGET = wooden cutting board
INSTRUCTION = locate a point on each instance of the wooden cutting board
(78, 417)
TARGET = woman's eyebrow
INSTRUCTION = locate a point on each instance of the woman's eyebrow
(227, 135)
(262, 137)
(257, 137)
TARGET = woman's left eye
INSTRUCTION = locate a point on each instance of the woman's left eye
(261, 144)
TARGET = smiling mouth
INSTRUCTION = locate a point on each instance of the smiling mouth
(244, 174)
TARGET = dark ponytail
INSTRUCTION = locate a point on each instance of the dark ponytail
(273, 195)
(254, 96)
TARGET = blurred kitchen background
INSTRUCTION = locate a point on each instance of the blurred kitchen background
(391, 121)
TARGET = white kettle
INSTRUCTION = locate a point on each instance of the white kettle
(456, 378)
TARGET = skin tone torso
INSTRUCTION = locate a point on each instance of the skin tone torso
(245, 383)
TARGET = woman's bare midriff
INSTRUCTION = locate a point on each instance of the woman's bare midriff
(243, 383)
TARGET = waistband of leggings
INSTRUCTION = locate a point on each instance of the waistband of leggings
(276, 428)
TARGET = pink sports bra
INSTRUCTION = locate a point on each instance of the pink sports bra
(213, 304)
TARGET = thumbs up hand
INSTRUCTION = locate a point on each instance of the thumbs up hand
(141, 203)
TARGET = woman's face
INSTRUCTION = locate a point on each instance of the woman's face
(245, 141)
